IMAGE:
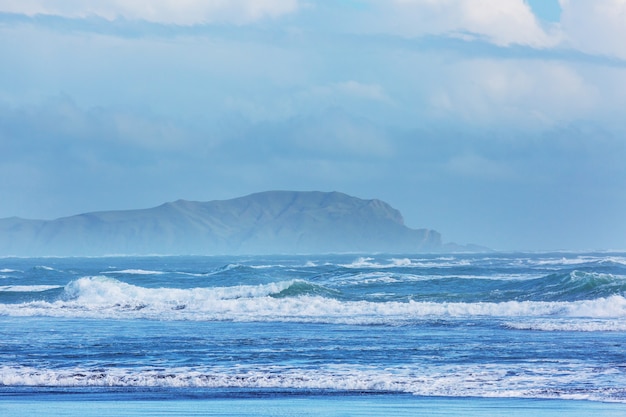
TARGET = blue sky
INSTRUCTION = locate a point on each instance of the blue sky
(498, 123)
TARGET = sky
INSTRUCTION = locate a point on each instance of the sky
(498, 123)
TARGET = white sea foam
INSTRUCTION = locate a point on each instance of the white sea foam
(369, 278)
(368, 262)
(373, 277)
(578, 260)
(614, 259)
(104, 297)
(7, 271)
(267, 266)
(579, 325)
(524, 380)
(28, 288)
(99, 290)
(135, 272)
(45, 268)
(563, 261)
(362, 262)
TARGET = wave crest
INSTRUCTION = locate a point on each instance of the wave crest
(294, 300)
(571, 286)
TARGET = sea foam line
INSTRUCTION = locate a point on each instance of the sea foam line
(135, 272)
(28, 288)
(370, 263)
(565, 381)
(579, 325)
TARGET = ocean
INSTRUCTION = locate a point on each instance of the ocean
(322, 333)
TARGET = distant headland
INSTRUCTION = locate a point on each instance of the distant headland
(272, 222)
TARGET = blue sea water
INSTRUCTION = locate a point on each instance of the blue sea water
(529, 326)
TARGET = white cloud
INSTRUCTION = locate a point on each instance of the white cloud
(516, 92)
(503, 22)
(182, 12)
(597, 27)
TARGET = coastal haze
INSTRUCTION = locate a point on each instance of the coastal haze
(275, 222)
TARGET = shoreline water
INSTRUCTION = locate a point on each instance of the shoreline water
(233, 403)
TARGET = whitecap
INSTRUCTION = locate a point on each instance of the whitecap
(103, 297)
(577, 325)
(368, 262)
(522, 380)
(135, 272)
(28, 288)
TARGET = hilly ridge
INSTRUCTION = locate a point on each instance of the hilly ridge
(273, 222)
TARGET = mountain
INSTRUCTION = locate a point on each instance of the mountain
(273, 222)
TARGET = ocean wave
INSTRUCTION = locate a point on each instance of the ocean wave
(299, 288)
(369, 263)
(267, 266)
(28, 288)
(229, 268)
(295, 300)
(545, 263)
(43, 268)
(570, 286)
(135, 272)
(561, 286)
(100, 289)
(379, 278)
(525, 380)
(579, 260)
(580, 325)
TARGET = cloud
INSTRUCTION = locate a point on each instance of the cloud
(502, 22)
(180, 12)
(595, 26)
(443, 108)
(336, 134)
(524, 94)
(58, 127)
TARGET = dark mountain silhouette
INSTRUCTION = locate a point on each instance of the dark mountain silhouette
(274, 222)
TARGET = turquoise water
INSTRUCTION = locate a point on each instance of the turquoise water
(314, 330)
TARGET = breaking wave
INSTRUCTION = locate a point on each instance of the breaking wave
(569, 286)
(455, 381)
(28, 288)
(135, 272)
(294, 300)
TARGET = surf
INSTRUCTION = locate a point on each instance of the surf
(294, 300)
